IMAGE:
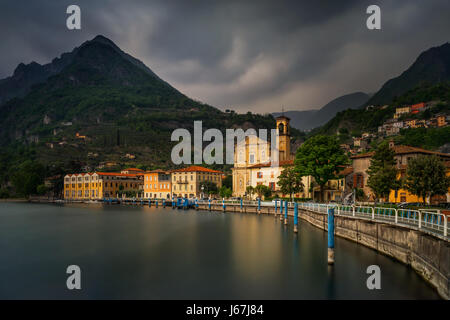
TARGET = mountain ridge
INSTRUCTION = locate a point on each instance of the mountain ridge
(310, 119)
(431, 66)
(112, 100)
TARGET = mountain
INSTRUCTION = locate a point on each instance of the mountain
(309, 119)
(427, 79)
(26, 76)
(98, 104)
(356, 121)
(431, 67)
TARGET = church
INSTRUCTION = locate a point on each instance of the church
(252, 162)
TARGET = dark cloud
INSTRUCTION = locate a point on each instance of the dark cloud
(247, 55)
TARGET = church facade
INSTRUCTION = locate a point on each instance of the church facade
(253, 166)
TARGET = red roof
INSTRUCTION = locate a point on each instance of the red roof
(268, 164)
(346, 171)
(157, 171)
(118, 174)
(196, 169)
(418, 106)
(80, 174)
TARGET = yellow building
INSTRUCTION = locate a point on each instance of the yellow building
(187, 182)
(401, 110)
(157, 184)
(403, 154)
(99, 185)
(402, 195)
(253, 155)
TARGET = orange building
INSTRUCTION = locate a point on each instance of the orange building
(157, 184)
(416, 108)
(441, 120)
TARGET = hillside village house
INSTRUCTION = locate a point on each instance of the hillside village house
(401, 110)
(416, 108)
(99, 185)
(187, 182)
(402, 154)
(157, 184)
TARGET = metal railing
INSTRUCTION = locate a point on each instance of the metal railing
(433, 221)
(428, 220)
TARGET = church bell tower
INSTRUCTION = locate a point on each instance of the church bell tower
(285, 137)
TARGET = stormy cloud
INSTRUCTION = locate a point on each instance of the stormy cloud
(245, 55)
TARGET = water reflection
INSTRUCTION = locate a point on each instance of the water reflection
(156, 253)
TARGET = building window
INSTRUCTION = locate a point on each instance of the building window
(259, 175)
(252, 158)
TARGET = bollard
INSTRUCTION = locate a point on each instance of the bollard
(242, 204)
(281, 210)
(156, 203)
(209, 204)
(276, 207)
(296, 217)
(173, 203)
(196, 204)
(164, 203)
(285, 212)
(149, 202)
(259, 205)
(331, 236)
(223, 204)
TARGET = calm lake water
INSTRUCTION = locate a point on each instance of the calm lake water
(127, 252)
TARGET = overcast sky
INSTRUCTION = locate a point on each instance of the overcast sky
(244, 55)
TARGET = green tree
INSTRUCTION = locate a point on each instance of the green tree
(263, 190)
(27, 177)
(41, 189)
(383, 172)
(290, 181)
(322, 158)
(250, 190)
(426, 177)
(4, 193)
(225, 192)
(209, 187)
(359, 194)
(228, 182)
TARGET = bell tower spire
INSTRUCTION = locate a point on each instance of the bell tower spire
(284, 135)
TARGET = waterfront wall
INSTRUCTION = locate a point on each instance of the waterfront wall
(427, 254)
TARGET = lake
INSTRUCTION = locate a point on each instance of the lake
(134, 252)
